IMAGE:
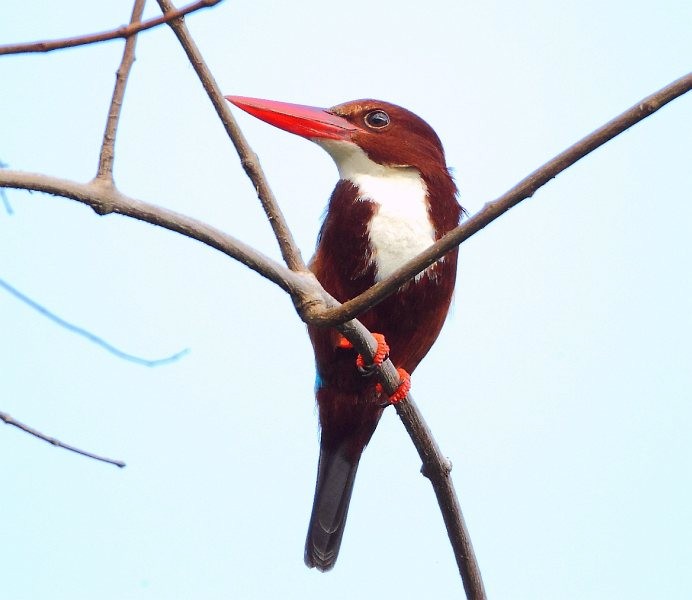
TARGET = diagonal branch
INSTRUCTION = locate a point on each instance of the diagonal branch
(435, 466)
(526, 188)
(9, 420)
(99, 341)
(284, 237)
(105, 168)
(125, 31)
(438, 470)
(105, 199)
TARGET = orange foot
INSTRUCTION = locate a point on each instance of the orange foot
(381, 354)
(402, 391)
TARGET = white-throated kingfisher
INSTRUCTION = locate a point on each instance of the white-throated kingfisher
(395, 197)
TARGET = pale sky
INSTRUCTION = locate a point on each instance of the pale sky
(560, 387)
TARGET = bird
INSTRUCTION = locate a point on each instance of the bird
(394, 198)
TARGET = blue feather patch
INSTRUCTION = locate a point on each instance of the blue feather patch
(319, 382)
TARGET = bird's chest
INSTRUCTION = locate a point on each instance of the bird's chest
(400, 227)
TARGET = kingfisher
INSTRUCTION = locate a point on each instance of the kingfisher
(395, 197)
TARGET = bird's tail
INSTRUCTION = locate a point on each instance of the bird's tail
(336, 474)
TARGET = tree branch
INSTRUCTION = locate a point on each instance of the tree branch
(99, 341)
(435, 466)
(107, 154)
(51, 440)
(124, 31)
(249, 160)
(105, 199)
(526, 188)
(439, 471)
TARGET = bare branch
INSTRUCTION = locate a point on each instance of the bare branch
(157, 362)
(435, 466)
(124, 31)
(284, 237)
(105, 168)
(51, 440)
(105, 199)
(526, 188)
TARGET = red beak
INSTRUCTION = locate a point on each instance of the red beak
(307, 121)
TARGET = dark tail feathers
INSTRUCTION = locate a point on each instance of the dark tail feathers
(335, 477)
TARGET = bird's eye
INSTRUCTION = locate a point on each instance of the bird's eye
(377, 119)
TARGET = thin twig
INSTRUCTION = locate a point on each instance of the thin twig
(3, 195)
(157, 362)
(124, 31)
(284, 237)
(51, 440)
(107, 154)
(6, 202)
(526, 188)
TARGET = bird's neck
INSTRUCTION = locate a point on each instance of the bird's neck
(400, 226)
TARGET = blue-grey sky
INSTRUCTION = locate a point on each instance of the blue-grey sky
(560, 387)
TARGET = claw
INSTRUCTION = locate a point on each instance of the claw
(402, 391)
(381, 354)
(365, 370)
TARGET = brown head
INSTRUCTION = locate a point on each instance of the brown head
(389, 135)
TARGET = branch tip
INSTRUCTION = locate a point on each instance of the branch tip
(9, 420)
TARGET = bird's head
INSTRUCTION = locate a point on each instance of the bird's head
(359, 135)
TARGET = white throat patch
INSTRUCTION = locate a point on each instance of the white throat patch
(400, 229)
